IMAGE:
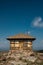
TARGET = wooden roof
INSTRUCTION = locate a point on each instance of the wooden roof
(40, 51)
(21, 36)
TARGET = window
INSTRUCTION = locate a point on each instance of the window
(16, 44)
(12, 45)
(25, 44)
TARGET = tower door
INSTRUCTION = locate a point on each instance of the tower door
(21, 45)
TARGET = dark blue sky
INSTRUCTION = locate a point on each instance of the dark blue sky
(21, 16)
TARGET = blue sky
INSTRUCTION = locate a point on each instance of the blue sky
(21, 16)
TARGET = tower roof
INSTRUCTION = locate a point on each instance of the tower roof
(21, 36)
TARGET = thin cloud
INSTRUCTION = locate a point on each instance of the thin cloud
(27, 32)
(38, 22)
(42, 41)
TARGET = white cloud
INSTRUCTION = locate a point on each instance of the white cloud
(38, 22)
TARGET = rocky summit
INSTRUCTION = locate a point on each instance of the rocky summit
(20, 57)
